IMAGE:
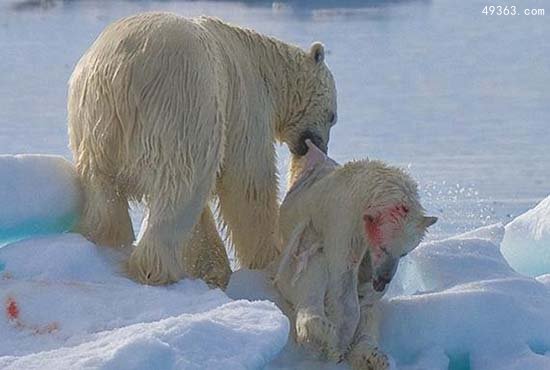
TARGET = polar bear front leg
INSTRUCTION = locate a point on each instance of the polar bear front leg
(365, 353)
(205, 257)
(342, 305)
(314, 330)
(366, 356)
(248, 203)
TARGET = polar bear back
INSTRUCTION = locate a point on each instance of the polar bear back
(156, 78)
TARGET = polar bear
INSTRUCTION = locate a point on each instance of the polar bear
(344, 229)
(173, 111)
(205, 256)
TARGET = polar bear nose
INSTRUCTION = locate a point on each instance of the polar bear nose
(380, 284)
(301, 148)
(384, 273)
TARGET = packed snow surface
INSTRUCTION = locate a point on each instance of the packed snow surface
(526, 244)
(66, 306)
(449, 297)
(454, 304)
(38, 194)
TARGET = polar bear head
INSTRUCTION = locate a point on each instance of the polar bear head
(363, 212)
(393, 229)
(310, 111)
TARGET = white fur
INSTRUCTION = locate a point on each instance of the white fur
(322, 222)
(170, 111)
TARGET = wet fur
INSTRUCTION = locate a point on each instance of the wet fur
(171, 112)
(322, 220)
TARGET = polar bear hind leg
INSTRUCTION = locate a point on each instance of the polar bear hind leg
(168, 227)
(93, 129)
(177, 184)
(105, 219)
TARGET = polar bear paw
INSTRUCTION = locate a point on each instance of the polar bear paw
(154, 264)
(370, 358)
(319, 334)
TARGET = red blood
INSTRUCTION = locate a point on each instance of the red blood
(398, 212)
(12, 310)
(382, 224)
(372, 229)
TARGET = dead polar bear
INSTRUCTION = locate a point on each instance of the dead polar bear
(171, 111)
(344, 230)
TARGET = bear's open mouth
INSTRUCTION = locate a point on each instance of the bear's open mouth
(300, 148)
(380, 284)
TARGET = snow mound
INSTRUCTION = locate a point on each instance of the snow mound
(39, 194)
(454, 304)
(232, 336)
(526, 244)
(457, 304)
(253, 285)
(66, 306)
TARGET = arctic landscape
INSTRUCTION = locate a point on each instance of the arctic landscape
(477, 300)
(457, 98)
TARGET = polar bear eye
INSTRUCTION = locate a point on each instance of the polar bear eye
(332, 118)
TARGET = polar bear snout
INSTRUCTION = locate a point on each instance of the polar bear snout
(379, 284)
(383, 274)
(300, 148)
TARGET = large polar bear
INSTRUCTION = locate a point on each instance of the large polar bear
(171, 111)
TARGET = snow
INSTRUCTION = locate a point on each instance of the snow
(38, 193)
(462, 299)
(475, 166)
(66, 305)
(526, 244)
(255, 285)
(454, 304)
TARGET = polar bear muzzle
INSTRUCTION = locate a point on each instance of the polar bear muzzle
(301, 148)
(383, 275)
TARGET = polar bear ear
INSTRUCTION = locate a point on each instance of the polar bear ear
(317, 52)
(428, 221)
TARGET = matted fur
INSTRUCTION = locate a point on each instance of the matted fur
(171, 111)
(329, 270)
